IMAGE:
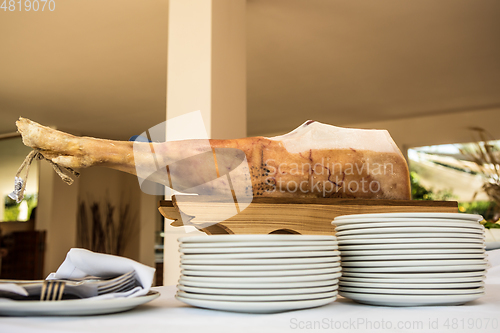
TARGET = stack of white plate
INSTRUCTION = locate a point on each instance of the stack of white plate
(258, 273)
(411, 259)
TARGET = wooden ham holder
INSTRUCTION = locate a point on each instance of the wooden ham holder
(285, 215)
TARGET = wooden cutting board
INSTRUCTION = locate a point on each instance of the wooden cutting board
(283, 215)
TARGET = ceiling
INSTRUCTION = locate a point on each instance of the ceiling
(90, 67)
(99, 67)
(346, 62)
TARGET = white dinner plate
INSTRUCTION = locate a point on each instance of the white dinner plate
(410, 230)
(416, 257)
(423, 280)
(254, 238)
(257, 298)
(444, 252)
(411, 240)
(420, 286)
(257, 249)
(416, 275)
(259, 267)
(394, 291)
(266, 279)
(265, 261)
(456, 236)
(428, 245)
(291, 291)
(262, 273)
(74, 307)
(418, 262)
(385, 223)
(260, 285)
(256, 307)
(410, 300)
(422, 215)
(460, 268)
(262, 255)
(266, 244)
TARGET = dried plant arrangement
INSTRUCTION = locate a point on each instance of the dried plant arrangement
(101, 228)
(486, 155)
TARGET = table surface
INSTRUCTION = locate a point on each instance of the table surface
(166, 314)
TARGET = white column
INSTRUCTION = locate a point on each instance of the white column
(206, 71)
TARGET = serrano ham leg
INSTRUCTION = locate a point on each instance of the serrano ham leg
(315, 160)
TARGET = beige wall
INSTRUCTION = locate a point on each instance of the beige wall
(8, 227)
(439, 129)
(106, 185)
(57, 212)
(102, 184)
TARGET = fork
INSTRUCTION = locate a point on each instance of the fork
(52, 290)
(99, 282)
(89, 286)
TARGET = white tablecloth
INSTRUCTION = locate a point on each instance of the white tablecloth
(167, 315)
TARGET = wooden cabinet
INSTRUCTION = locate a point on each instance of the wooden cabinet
(25, 254)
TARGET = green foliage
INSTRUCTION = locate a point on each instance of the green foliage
(419, 192)
(11, 211)
(492, 225)
(485, 154)
(485, 208)
(476, 207)
(8, 202)
(32, 203)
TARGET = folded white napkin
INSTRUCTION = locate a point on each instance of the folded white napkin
(80, 263)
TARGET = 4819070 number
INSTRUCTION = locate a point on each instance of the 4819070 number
(28, 5)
